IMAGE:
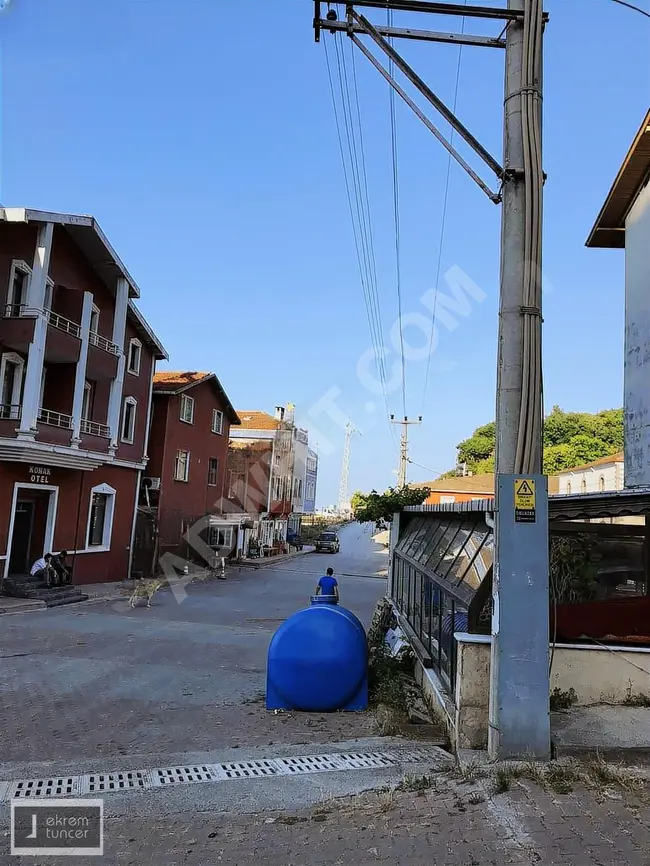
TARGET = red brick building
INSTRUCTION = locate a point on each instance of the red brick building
(76, 366)
(188, 453)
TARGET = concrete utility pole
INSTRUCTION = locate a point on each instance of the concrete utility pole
(519, 688)
(519, 712)
(403, 448)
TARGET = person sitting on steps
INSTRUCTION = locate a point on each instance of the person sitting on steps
(62, 569)
(42, 569)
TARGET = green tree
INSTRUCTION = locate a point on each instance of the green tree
(373, 506)
(570, 439)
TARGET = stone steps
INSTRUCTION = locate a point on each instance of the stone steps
(29, 587)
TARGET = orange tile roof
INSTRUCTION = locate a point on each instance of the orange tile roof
(481, 483)
(173, 382)
(602, 461)
(244, 444)
(172, 379)
(256, 420)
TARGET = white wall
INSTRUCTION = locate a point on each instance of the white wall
(637, 342)
(299, 472)
(607, 476)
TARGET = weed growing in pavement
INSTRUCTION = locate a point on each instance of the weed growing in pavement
(562, 777)
(416, 784)
(502, 781)
(471, 773)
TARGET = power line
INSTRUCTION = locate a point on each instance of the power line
(428, 468)
(632, 6)
(361, 227)
(396, 214)
(442, 225)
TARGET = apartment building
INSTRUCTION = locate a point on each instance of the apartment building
(188, 453)
(77, 361)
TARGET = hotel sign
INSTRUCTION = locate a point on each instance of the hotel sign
(40, 474)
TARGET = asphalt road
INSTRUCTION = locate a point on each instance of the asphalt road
(97, 684)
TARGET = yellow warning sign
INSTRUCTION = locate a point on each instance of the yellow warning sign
(525, 494)
(524, 500)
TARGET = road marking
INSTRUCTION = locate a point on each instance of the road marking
(166, 777)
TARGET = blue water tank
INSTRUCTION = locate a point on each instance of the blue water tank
(318, 662)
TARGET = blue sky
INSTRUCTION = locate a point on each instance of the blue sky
(201, 135)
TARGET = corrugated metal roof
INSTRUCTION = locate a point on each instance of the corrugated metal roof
(609, 229)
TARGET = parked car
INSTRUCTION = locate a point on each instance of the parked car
(327, 542)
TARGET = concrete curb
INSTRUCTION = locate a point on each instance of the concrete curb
(272, 560)
(22, 606)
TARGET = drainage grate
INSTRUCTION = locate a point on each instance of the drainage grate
(63, 786)
(372, 760)
(183, 775)
(102, 782)
(250, 769)
(310, 764)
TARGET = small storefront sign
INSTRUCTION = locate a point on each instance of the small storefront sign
(40, 474)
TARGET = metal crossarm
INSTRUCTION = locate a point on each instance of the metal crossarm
(426, 91)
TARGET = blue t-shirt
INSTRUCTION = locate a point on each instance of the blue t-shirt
(327, 584)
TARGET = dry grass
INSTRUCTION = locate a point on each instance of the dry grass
(562, 777)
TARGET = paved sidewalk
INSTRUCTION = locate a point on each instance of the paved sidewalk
(451, 824)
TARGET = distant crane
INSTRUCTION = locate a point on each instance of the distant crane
(345, 467)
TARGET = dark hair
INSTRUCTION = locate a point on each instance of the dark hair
(47, 556)
(63, 553)
(330, 572)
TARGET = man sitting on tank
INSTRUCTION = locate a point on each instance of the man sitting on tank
(328, 586)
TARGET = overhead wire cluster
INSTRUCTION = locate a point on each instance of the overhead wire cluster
(443, 224)
(347, 115)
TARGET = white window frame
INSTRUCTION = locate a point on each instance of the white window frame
(86, 405)
(135, 369)
(94, 315)
(17, 265)
(12, 358)
(601, 484)
(216, 474)
(185, 403)
(110, 493)
(125, 437)
(49, 294)
(186, 477)
(447, 500)
(217, 422)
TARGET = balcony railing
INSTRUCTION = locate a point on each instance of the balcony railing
(9, 412)
(55, 419)
(95, 429)
(63, 324)
(104, 344)
(15, 311)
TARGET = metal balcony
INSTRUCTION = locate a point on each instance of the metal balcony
(93, 428)
(63, 324)
(104, 344)
(9, 412)
(55, 419)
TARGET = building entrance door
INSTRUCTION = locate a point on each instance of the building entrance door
(21, 538)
